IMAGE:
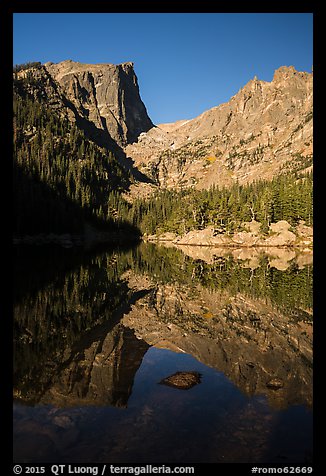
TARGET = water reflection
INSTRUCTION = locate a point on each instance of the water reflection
(95, 334)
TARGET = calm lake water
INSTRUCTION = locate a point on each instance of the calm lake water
(95, 333)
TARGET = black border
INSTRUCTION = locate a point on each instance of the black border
(7, 10)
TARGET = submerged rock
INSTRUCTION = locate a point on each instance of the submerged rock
(275, 384)
(182, 380)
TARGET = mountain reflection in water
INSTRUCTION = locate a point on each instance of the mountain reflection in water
(94, 334)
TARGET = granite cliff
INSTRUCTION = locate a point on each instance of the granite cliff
(103, 99)
(105, 95)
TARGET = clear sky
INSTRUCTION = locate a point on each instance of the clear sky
(186, 63)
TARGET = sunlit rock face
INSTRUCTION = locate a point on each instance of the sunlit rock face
(105, 97)
(265, 128)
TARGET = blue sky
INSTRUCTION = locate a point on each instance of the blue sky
(186, 63)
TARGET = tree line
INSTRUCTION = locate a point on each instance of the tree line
(286, 197)
(28, 65)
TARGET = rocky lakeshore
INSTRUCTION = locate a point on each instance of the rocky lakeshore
(280, 234)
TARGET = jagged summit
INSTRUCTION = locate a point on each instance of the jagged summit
(284, 72)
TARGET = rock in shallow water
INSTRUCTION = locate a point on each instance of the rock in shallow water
(182, 380)
(275, 384)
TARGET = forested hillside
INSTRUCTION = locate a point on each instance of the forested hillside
(62, 180)
(287, 197)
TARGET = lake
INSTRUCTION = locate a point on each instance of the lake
(96, 333)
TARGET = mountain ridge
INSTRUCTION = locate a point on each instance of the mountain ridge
(260, 130)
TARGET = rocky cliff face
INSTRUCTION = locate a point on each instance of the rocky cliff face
(264, 129)
(38, 83)
(104, 95)
(103, 99)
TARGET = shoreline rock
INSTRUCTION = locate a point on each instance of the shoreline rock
(280, 235)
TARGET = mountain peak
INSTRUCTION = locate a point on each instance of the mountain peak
(105, 97)
(284, 72)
